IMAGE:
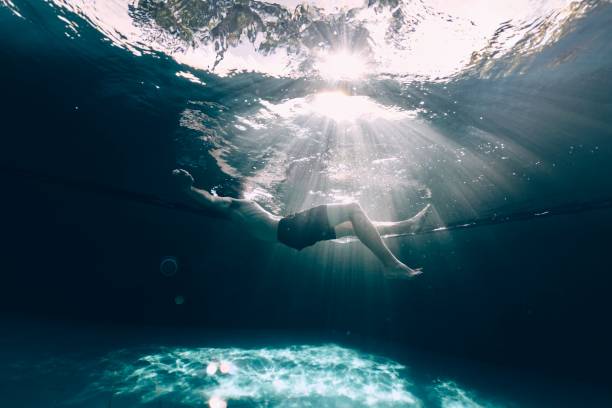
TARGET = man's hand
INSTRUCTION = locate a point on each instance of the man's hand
(183, 179)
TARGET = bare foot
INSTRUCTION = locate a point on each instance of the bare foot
(401, 271)
(418, 221)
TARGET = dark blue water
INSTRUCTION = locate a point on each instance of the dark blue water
(489, 117)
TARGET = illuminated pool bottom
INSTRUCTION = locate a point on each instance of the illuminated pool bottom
(55, 365)
(326, 375)
(294, 376)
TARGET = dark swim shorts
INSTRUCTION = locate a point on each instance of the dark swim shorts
(305, 228)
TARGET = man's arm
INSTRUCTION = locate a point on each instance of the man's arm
(200, 198)
(208, 201)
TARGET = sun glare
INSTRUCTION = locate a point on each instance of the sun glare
(341, 66)
(339, 106)
(333, 105)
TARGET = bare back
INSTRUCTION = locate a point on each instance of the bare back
(247, 214)
(254, 219)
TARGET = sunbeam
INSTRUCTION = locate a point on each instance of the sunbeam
(341, 65)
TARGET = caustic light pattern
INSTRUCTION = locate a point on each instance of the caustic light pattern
(321, 375)
(296, 376)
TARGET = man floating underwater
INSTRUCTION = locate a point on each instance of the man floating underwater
(320, 223)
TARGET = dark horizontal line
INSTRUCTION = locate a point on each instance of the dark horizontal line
(88, 186)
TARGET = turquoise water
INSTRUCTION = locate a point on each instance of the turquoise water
(498, 116)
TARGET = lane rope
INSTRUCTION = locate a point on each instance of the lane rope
(157, 201)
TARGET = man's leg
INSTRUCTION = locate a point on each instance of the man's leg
(408, 226)
(367, 233)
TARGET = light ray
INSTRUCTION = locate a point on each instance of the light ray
(341, 65)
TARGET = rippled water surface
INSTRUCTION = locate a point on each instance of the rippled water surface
(309, 103)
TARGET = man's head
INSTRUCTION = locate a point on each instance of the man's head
(183, 179)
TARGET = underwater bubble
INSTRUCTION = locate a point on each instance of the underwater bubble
(216, 402)
(168, 266)
(211, 368)
(225, 367)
